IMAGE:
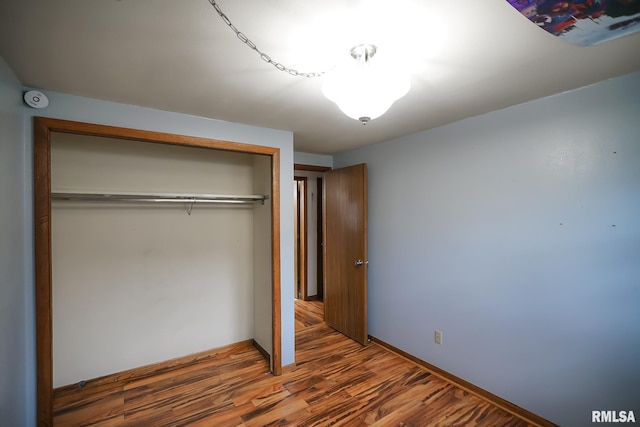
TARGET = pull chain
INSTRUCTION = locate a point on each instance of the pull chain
(266, 58)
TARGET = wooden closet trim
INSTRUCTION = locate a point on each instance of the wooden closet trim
(312, 168)
(42, 128)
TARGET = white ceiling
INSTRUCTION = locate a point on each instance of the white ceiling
(466, 57)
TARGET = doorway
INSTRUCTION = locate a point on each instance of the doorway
(308, 223)
(309, 261)
(341, 197)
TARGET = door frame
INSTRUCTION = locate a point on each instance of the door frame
(42, 129)
(320, 240)
(301, 249)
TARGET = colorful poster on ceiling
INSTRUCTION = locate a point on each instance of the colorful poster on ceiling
(584, 22)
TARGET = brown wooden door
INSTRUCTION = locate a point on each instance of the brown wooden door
(345, 251)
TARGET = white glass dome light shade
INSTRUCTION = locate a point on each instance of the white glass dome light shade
(365, 90)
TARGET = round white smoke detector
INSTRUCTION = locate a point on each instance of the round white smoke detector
(36, 99)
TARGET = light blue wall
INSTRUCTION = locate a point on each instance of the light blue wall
(17, 389)
(312, 159)
(517, 234)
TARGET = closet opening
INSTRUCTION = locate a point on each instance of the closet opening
(175, 252)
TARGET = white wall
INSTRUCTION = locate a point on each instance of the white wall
(17, 357)
(517, 234)
(262, 272)
(312, 228)
(135, 284)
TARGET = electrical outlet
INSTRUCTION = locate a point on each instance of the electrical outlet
(437, 336)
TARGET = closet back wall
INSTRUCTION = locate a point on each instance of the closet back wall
(137, 284)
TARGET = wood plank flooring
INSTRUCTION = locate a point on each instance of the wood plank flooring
(336, 382)
(308, 313)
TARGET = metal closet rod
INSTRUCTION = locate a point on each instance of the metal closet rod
(157, 197)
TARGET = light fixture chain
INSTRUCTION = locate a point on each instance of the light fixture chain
(266, 58)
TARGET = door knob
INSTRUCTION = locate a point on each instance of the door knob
(359, 262)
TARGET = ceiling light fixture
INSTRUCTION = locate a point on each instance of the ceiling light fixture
(362, 89)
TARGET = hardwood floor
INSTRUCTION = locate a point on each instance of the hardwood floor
(308, 313)
(336, 382)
